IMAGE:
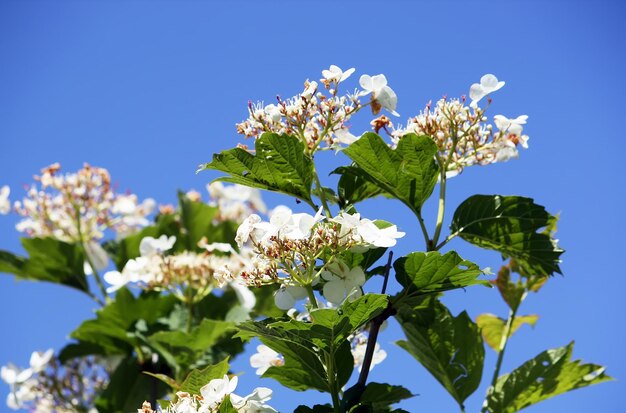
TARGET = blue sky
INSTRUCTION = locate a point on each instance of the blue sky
(151, 89)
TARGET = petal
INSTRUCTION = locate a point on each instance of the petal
(335, 291)
(366, 83)
(476, 92)
(283, 299)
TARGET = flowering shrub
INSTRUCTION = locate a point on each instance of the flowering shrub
(193, 283)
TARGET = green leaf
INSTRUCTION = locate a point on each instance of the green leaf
(378, 397)
(48, 260)
(429, 272)
(509, 224)
(114, 326)
(408, 173)
(279, 165)
(318, 408)
(226, 406)
(450, 348)
(306, 346)
(128, 388)
(549, 374)
(165, 379)
(492, 327)
(198, 378)
(302, 369)
(186, 348)
(353, 187)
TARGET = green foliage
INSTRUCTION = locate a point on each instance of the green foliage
(492, 327)
(430, 272)
(198, 378)
(509, 224)
(279, 165)
(353, 187)
(48, 260)
(450, 348)
(547, 375)
(310, 348)
(128, 388)
(408, 173)
(318, 408)
(376, 397)
(115, 328)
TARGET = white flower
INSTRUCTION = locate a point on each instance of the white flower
(273, 111)
(12, 374)
(342, 282)
(5, 204)
(310, 90)
(335, 74)
(343, 136)
(150, 246)
(253, 403)
(285, 224)
(39, 360)
(134, 270)
(246, 228)
(377, 237)
(381, 93)
(286, 296)
(216, 390)
(265, 358)
(488, 84)
(511, 126)
(358, 352)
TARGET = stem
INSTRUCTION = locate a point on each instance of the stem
(440, 211)
(311, 294)
(190, 309)
(334, 392)
(374, 329)
(101, 286)
(321, 194)
(423, 227)
(508, 328)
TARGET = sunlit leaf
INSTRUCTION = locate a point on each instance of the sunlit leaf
(492, 327)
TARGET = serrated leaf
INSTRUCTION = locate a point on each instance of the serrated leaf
(353, 187)
(279, 165)
(430, 272)
(376, 396)
(492, 327)
(450, 348)
(408, 173)
(48, 260)
(549, 374)
(318, 408)
(197, 378)
(509, 224)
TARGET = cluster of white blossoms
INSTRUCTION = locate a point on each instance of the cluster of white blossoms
(316, 117)
(235, 202)
(212, 396)
(461, 132)
(79, 206)
(156, 269)
(5, 203)
(289, 247)
(47, 387)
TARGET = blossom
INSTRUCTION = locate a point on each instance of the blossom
(214, 392)
(335, 74)
(39, 360)
(235, 202)
(245, 230)
(253, 403)
(287, 295)
(366, 231)
(5, 204)
(359, 346)
(488, 84)
(152, 246)
(512, 127)
(265, 358)
(342, 281)
(97, 255)
(382, 95)
(12, 374)
(310, 90)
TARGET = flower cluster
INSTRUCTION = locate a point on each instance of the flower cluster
(79, 207)
(316, 117)
(47, 387)
(461, 132)
(213, 395)
(5, 204)
(288, 249)
(155, 269)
